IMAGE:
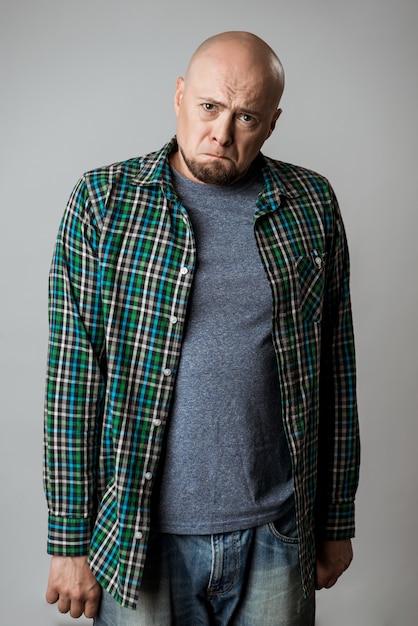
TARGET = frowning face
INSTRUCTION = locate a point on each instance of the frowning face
(225, 111)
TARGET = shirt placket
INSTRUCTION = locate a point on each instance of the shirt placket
(169, 365)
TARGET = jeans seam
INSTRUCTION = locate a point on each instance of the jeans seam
(236, 552)
(283, 538)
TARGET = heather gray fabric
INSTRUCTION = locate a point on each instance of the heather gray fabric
(227, 466)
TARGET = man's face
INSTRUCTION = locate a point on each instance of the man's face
(225, 111)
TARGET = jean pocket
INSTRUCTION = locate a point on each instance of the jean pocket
(285, 527)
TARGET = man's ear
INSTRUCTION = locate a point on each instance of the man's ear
(178, 95)
(273, 121)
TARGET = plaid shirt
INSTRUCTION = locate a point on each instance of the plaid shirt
(119, 287)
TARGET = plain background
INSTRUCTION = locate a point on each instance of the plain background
(86, 83)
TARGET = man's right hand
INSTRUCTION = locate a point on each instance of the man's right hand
(72, 584)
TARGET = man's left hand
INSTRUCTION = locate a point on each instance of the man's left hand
(332, 559)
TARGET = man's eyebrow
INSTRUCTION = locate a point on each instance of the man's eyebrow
(243, 109)
(211, 100)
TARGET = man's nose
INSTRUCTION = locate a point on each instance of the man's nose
(223, 130)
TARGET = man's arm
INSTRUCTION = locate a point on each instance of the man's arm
(339, 444)
(73, 407)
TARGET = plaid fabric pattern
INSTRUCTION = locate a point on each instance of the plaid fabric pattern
(119, 286)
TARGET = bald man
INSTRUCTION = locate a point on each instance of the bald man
(201, 432)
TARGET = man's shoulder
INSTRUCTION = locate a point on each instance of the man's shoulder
(105, 175)
(296, 177)
(124, 171)
(100, 189)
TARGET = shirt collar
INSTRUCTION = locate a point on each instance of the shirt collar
(154, 169)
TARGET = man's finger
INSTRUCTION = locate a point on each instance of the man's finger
(76, 608)
(92, 606)
(64, 605)
(51, 595)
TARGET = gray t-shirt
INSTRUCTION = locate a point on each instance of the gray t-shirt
(226, 465)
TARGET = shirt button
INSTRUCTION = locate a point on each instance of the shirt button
(138, 535)
(173, 319)
(148, 475)
(156, 422)
(184, 271)
(318, 261)
(167, 371)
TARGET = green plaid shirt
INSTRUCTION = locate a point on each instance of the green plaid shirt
(119, 287)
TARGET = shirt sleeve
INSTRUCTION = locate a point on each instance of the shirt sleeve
(76, 380)
(339, 445)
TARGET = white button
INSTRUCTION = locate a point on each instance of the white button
(167, 371)
(156, 422)
(138, 535)
(318, 261)
(173, 319)
(184, 271)
(148, 475)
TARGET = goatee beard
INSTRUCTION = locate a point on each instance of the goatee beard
(213, 174)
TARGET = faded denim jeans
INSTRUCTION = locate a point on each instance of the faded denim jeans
(242, 578)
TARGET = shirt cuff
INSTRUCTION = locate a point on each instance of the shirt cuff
(68, 536)
(336, 522)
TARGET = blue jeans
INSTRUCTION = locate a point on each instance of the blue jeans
(243, 578)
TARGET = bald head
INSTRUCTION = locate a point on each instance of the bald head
(244, 50)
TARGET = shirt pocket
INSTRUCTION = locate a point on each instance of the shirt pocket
(311, 282)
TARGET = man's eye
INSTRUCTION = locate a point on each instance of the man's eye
(208, 106)
(248, 119)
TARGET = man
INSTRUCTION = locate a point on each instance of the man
(201, 430)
